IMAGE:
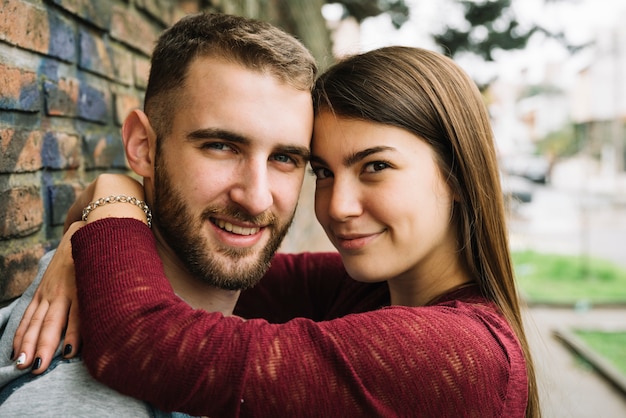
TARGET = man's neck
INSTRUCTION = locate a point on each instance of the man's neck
(197, 294)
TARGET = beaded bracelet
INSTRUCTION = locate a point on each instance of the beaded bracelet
(119, 199)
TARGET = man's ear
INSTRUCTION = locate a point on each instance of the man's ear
(139, 143)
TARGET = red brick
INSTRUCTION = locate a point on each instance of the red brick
(124, 104)
(122, 64)
(161, 10)
(21, 150)
(24, 25)
(21, 211)
(62, 97)
(105, 57)
(18, 89)
(95, 12)
(141, 70)
(69, 149)
(18, 269)
(185, 7)
(61, 150)
(133, 29)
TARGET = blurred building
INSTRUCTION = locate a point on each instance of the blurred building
(599, 100)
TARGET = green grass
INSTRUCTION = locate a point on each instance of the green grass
(553, 278)
(610, 345)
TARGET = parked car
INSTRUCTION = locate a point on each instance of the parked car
(535, 168)
(516, 189)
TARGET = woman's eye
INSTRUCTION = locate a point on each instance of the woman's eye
(321, 173)
(375, 166)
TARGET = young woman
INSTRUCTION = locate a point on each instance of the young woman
(408, 191)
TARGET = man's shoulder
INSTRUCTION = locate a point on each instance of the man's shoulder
(66, 388)
(10, 317)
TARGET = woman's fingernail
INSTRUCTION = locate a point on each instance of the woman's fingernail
(21, 359)
(67, 350)
(37, 363)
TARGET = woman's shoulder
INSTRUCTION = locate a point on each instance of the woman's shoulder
(462, 320)
(464, 343)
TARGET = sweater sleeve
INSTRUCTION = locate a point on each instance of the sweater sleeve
(142, 340)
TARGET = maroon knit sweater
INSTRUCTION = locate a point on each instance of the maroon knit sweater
(455, 358)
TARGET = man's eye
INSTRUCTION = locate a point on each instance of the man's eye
(285, 159)
(321, 173)
(219, 146)
(376, 166)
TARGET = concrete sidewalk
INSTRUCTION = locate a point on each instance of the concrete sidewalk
(569, 388)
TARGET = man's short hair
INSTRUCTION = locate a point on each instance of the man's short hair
(251, 43)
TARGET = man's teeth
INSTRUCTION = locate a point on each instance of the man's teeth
(239, 230)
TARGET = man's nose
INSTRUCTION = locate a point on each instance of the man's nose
(252, 190)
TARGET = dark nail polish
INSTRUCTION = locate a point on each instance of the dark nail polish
(12, 354)
(37, 363)
(67, 350)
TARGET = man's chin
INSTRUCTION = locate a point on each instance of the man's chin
(237, 273)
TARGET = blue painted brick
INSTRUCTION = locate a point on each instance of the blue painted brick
(62, 197)
(62, 38)
(93, 104)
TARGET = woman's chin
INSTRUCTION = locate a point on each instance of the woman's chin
(362, 274)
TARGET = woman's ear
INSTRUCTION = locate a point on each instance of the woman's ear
(139, 143)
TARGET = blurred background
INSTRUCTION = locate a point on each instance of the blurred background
(552, 74)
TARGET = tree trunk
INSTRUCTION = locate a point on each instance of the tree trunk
(304, 19)
(301, 18)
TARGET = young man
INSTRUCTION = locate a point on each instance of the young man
(222, 148)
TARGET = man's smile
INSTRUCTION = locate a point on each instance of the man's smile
(235, 229)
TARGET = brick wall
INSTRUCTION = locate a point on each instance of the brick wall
(70, 71)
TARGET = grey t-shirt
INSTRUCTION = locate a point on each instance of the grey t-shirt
(66, 388)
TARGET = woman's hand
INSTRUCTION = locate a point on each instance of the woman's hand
(114, 185)
(54, 307)
(107, 185)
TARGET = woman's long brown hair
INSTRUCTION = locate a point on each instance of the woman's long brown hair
(429, 95)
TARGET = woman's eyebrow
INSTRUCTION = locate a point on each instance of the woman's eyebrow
(360, 155)
(354, 157)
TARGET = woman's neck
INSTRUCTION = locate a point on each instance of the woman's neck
(419, 289)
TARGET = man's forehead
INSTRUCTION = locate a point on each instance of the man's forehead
(242, 105)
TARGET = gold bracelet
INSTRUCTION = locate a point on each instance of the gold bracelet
(119, 199)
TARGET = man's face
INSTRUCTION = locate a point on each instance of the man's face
(228, 176)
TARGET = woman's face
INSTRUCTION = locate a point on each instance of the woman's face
(382, 200)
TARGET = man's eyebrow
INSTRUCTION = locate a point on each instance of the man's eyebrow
(355, 157)
(212, 133)
(303, 152)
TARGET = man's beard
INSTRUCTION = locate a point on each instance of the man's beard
(183, 235)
